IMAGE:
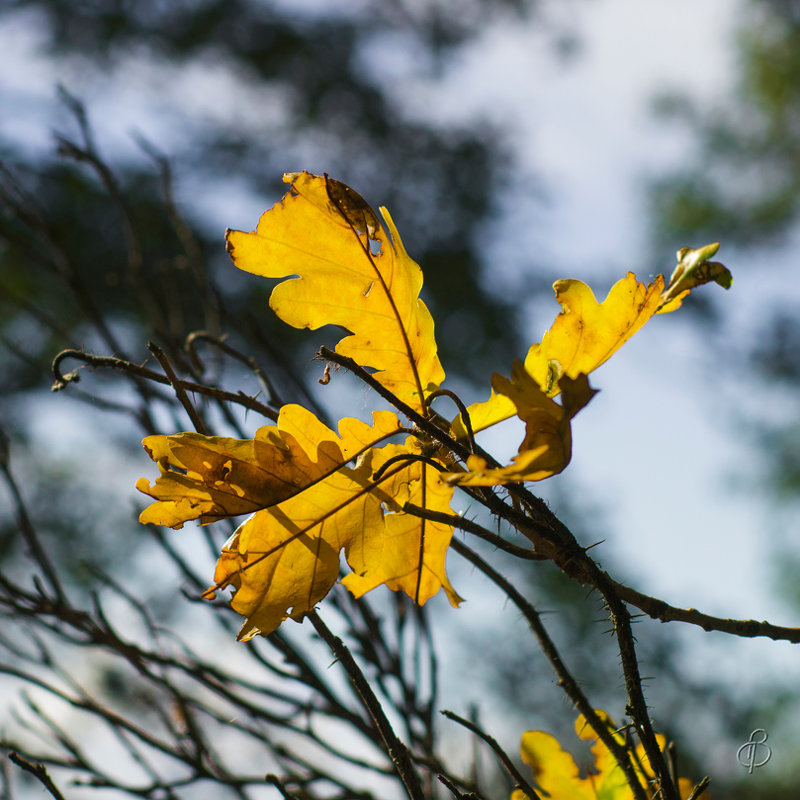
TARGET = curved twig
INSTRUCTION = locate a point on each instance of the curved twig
(499, 752)
(140, 371)
(190, 345)
(403, 457)
(462, 409)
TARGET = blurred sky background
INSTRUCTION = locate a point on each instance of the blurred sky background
(665, 457)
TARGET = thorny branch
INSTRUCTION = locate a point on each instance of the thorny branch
(290, 724)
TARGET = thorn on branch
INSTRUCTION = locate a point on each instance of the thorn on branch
(700, 788)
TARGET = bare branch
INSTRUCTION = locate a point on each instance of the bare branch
(39, 771)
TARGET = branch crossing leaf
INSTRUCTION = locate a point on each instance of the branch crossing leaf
(315, 495)
(547, 447)
(285, 559)
(556, 772)
(213, 477)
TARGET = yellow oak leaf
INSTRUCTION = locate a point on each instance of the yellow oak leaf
(351, 274)
(556, 772)
(409, 555)
(212, 477)
(586, 333)
(583, 336)
(285, 559)
(547, 447)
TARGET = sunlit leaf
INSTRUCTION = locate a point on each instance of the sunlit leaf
(586, 333)
(285, 559)
(211, 477)
(352, 274)
(317, 496)
(410, 553)
(547, 446)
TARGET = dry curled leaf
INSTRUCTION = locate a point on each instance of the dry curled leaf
(547, 447)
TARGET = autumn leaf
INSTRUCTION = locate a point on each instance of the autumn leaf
(409, 555)
(312, 492)
(316, 495)
(586, 333)
(211, 477)
(556, 772)
(351, 273)
(285, 559)
(547, 447)
(583, 336)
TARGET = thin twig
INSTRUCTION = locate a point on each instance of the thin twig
(39, 771)
(700, 788)
(565, 678)
(180, 392)
(464, 412)
(219, 341)
(499, 752)
(457, 521)
(394, 747)
(26, 526)
(62, 380)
